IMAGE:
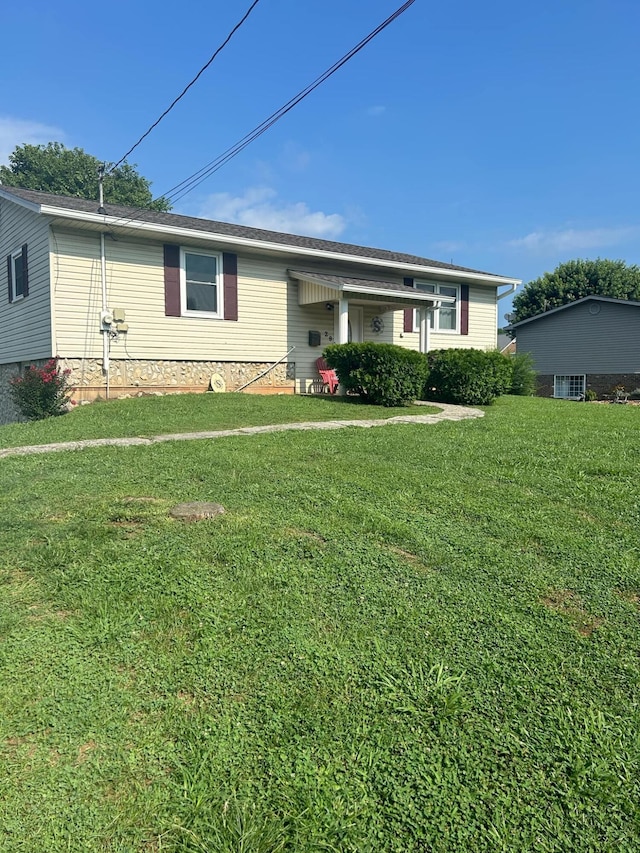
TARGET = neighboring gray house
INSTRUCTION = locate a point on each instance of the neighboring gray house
(592, 343)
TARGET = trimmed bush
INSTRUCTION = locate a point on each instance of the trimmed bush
(382, 374)
(523, 381)
(468, 376)
(41, 392)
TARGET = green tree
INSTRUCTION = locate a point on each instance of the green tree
(55, 169)
(574, 280)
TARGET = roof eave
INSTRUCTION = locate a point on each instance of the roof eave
(22, 202)
(558, 308)
(191, 233)
(418, 296)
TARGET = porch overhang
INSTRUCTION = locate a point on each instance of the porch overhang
(315, 287)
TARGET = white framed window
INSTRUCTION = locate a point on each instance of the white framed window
(569, 387)
(201, 283)
(17, 275)
(447, 317)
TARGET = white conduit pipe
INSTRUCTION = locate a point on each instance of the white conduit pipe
(264, 372)
(105, 333)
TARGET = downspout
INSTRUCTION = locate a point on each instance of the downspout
(103, 277)
(508, 292)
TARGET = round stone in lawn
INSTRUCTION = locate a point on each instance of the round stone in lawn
(196, 511)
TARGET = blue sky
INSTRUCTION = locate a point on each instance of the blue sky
(500, 135)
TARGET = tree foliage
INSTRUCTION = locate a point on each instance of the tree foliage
(574, 280)
(55, 169)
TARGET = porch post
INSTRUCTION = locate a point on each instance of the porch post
(343, 321)
(423, 314)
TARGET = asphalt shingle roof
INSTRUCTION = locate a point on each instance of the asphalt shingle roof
(393, 287)
(210, 226)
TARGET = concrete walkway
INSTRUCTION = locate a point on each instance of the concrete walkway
(448, 413)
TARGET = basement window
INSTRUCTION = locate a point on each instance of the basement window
(570, 387)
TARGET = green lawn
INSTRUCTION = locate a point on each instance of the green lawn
(416, 638)
(147, 416)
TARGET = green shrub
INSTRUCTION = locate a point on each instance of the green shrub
(590, 395)
(523, 379)
(468, 376)
(382, 374)
(41, 392)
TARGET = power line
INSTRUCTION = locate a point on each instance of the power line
(180, 190)
(188, 86)
(184, 187)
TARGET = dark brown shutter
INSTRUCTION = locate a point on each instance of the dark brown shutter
(9, 278)
(25, 272)
(171, 280)
(230, 276)
(408, 312)
(464, 309)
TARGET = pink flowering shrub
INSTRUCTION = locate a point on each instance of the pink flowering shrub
(41, 392)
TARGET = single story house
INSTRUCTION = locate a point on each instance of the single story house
(592, 343)
(134, 300)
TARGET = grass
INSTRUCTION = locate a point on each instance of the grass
(422, 638)
(147, 416)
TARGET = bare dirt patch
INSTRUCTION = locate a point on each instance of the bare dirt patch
(186, 698)
(406, 555)
(568, 603)
(130, 529)
(306, 534)
(630, 595)
(39, 614)
(84, 750)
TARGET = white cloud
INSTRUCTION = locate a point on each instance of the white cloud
(260, 208)
(17, 131)
(376, 110)
(575, 239)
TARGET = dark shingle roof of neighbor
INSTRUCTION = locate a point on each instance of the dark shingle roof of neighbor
(227, 229)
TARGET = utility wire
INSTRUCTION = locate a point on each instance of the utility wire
(188, 86)
(180, 190)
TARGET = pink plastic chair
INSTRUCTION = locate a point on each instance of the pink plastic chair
(327, 375)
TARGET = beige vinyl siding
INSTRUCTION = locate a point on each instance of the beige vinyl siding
(135, 283)
(270, 319)
(25, 325)
(483, 325)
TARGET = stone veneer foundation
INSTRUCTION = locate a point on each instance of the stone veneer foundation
(601, 383)
(133, 376)
(8, 412)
